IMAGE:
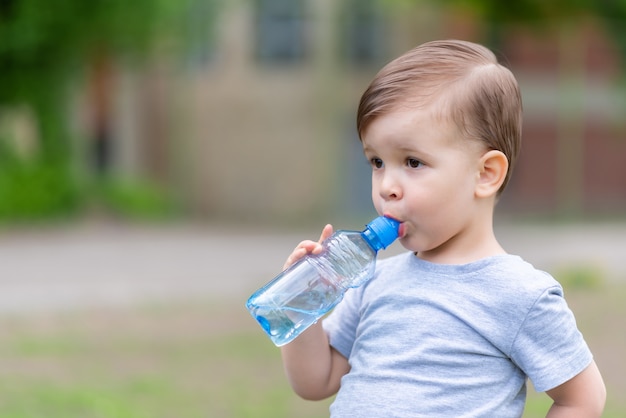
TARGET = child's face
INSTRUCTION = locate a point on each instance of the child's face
(424, 173)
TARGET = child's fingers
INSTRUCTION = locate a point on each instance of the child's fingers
(308, 247)
(300, 251)
(326, 233)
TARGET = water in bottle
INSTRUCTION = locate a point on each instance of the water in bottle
(311, 287)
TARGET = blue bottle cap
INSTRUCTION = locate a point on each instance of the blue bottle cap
(381, 232)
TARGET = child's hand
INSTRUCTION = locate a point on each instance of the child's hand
(308, 247)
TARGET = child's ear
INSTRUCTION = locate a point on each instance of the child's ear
(493, 168)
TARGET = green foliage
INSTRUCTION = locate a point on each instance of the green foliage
(613, 15)
(85, 401)
(583, 276)
(44, 48)
(527, 11)
(31, 192)
(34, 190)
(135, 200)
(40, 43)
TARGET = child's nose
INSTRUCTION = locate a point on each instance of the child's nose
(390, 188)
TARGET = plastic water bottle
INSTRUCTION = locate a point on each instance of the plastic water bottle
(299, 296)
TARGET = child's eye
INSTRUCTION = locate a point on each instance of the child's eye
(414, 163)
(376, 162)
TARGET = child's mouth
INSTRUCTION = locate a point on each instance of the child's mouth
(401, 227)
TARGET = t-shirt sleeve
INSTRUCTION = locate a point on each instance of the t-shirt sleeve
(342, 323)
(549, 347)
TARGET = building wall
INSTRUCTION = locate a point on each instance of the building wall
(574, 131)
(248, 139)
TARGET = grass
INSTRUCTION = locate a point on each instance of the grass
(205, 360)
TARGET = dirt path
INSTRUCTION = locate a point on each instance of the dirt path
(107, 265)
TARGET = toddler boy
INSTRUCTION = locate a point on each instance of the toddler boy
(455, 326)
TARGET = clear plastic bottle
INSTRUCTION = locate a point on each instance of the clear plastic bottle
(299, 296)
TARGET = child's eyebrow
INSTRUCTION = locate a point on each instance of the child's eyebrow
(368, 149)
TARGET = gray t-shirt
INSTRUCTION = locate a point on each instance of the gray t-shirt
(433, 340)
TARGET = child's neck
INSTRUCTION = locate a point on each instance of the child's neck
(476, 242)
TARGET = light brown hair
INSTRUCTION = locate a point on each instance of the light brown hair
(476, 92)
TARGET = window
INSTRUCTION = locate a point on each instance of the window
(280, 31)
(200, 34)
(363, 33)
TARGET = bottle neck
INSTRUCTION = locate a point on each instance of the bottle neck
(372, 239)
(381, 232)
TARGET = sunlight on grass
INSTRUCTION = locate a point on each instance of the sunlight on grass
(155, 362)
(174, 361)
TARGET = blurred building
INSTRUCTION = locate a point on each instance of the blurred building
(260, 123)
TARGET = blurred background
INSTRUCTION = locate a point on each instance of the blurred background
(160, 158)
(243, 111)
